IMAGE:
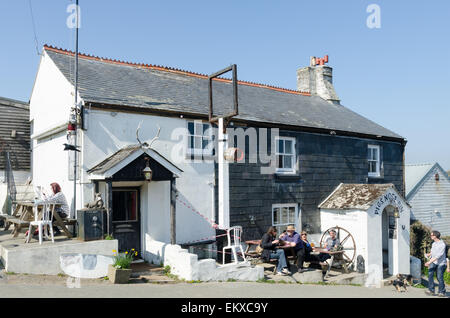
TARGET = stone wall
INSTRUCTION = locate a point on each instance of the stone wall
(187, 266)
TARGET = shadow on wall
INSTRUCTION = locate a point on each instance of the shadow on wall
(200, 223)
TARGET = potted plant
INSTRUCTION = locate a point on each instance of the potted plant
(119, 271)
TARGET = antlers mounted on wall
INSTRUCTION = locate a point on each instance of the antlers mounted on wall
(145, 144)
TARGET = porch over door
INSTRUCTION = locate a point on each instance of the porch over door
(126, 221)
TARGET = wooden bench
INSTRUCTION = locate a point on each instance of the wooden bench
(18, 225)
(251, 252)
(336, 261)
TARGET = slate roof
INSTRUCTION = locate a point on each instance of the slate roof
(120, 155)
(355, 196)
(114, 159)
(15, 115)
(416, 174)
(111, 82)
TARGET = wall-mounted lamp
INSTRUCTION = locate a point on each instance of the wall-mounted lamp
(148, 173)
(396, 214)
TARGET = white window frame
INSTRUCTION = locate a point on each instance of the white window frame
(208, 151)
(378, 161)
(292, 170)
(295, 222)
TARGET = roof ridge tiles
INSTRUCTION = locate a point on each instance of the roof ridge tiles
(171, 69)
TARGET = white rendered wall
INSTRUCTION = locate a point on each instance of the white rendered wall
(50, 103)
(187, 266)
(51, 97)
(366, 227)
(353, 221)
(108, 131)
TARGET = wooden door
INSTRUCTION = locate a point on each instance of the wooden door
(126, 221)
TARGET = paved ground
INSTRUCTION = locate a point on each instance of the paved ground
(54, 286)
(149, 281)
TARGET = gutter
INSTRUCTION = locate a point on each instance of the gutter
(50, 131)
(171, 113)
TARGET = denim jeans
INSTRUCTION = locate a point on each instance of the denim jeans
(279, 254)
(440, 277)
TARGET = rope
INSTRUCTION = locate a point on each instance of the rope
(212, 223)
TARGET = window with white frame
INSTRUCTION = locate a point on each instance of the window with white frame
(285, 154)
(284, 215)
(199, 138)
(373, 160)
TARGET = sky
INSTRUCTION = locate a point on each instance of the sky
(397, 74)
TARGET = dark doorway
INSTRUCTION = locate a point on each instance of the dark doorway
(126, 218)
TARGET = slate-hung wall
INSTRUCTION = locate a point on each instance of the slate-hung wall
(323, 161)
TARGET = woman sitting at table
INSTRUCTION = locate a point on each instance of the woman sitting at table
(269, 243)
(308, 248)
(58, 197)
(331, 242)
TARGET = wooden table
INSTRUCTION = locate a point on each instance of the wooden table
(27, 215)
(333, 255)
(21, 217)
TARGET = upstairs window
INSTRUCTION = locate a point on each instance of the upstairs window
(199, 139)
(373, 160)
(285, 154)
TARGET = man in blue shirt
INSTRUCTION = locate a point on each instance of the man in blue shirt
(292, 238)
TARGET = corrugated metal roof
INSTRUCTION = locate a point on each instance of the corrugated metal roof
(355, 196)
(158, 88)
(15, 115)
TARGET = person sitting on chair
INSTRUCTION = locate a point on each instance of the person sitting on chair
(58, 197)
(269, 243)
(331, 242)
(308, 248)
(292, 238)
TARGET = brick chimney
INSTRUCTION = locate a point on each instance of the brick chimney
(317, 79)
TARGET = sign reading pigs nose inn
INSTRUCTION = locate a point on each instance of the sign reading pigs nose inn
(388, 199)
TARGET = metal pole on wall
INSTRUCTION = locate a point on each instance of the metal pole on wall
(76, 115)
(224, 190)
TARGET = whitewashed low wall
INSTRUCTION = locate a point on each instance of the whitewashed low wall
(187, 266)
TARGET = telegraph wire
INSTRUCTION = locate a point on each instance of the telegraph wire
(34, 28)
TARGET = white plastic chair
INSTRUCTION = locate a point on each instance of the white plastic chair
(236, 232)
(44, 222)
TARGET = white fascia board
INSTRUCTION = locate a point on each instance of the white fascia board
(161, 160)
(50, 131)
(165, 163)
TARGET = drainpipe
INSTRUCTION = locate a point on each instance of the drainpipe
(224, 188)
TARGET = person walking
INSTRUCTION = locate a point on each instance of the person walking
(437, 264)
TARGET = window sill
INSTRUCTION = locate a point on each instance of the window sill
(287, 176)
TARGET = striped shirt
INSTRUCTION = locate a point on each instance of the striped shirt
(59, 198)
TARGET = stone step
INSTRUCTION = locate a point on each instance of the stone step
(346, 278)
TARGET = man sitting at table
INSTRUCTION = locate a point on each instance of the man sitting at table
(331, 242)
(293, 239)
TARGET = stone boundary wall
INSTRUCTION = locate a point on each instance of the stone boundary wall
(187, 266)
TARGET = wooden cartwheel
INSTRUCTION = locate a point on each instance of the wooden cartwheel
(348, 244)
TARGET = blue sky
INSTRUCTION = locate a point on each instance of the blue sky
(397, 75)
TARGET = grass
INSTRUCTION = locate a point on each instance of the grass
(10, 273)
(419, 286)
(166, 271)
